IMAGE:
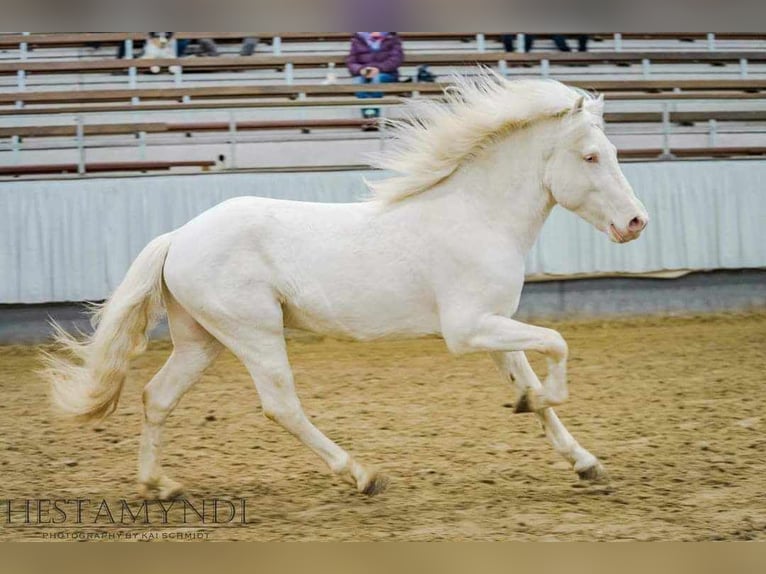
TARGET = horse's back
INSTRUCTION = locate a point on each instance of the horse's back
(250, 235)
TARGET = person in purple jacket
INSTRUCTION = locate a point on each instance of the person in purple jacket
(374, 58)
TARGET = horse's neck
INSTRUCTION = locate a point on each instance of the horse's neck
(504, 185)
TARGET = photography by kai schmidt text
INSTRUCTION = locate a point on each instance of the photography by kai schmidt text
(121, 519)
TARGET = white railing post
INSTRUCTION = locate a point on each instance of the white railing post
(712, 137)
(520, 43)
(646, 68)
(289, 73)
(502, 67)
(80, 145)
(21, 75)
(545, 67)
(132, 72)
(142, 146)
(133, 83)
(16, 149)
(617, 42)
(23, 48)
(743, 67)
(711, 42)
(665, 130)
(481, 44)
(21, 85)
(232, 141)
(276, 45)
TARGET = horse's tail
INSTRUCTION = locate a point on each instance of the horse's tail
(87, 384)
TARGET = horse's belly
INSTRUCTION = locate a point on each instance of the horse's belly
(361, 318)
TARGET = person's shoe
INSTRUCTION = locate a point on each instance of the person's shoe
(370, 115)
(208, 48)
(248, 46)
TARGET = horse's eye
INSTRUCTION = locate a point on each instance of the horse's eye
(591, 158)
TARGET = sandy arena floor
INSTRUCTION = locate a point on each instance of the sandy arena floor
(674, 407)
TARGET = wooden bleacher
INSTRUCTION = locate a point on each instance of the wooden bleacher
(58, 40)
(318, 90)
(673, 79)
(308, 125)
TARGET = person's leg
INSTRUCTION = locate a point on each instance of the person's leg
(381, 78)
(529, 42)
(507, 40)
(386, 78)
(582, 43)
(362, 80)
(208, 47)
(181, 45)
(561, 43)
(366, 112)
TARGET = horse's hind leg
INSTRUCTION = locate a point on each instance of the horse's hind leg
(194, 349)
(516, 366)
(256, 336)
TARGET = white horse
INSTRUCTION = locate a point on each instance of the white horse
(439, 250)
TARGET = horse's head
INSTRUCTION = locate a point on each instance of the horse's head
(584, 176)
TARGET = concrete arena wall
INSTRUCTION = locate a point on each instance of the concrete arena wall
(704, 292)
(73, 239)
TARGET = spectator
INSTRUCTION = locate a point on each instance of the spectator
(558, 39)
(160, 46)
(561, 43)
(507, 40)
(374, 58)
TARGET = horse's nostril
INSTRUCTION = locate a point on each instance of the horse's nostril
(636, 224)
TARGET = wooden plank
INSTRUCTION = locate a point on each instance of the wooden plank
(261, 61)
(83, 38)
(338, 101)
(687, 117)
(266, 125)
(689, 153)
(293, 90)
(102, 167)
(341, 123)
(624, 154)
(203, 105)
(88, 130)
(219, 92)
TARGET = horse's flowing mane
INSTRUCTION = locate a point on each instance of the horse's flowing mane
(435, 137)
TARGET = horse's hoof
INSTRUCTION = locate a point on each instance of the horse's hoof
(595, 473)
(523, 405)
(165, 489)
(378, 484)
(169, 490)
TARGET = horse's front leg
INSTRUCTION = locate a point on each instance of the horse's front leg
(495, 333)
(516, 367)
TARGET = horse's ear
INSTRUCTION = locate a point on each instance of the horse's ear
(578, 105)
(599, 105)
